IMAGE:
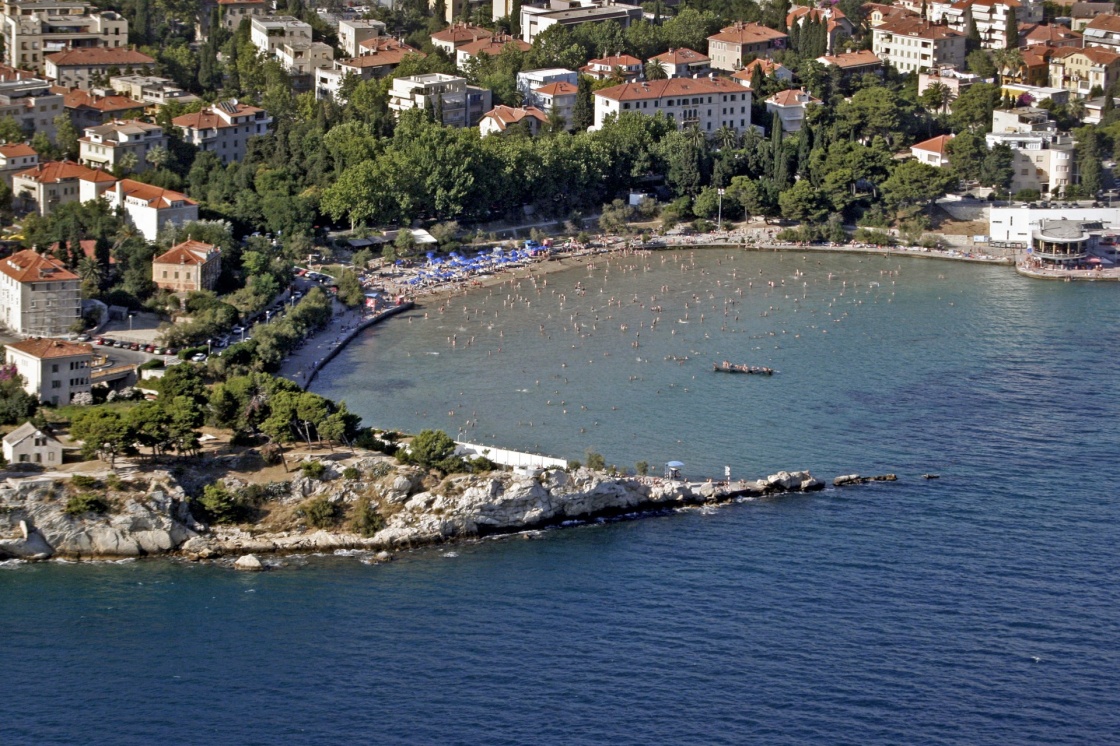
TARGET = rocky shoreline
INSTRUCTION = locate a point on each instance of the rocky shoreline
(155, 517)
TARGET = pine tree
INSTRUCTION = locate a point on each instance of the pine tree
(795, 37)
(515, 19)
(972, 42)
(756, 80)
(1011, 31)
(583, 112)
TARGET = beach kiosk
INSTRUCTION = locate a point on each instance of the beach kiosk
(673, 470)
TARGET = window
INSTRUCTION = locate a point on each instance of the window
(54, 368)
(56, 384)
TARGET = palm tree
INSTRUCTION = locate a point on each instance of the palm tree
(90, 271)
(127, 163)
(726, 138)
(1008, 62)
(655, 70)
(158, 157)
(940, 96)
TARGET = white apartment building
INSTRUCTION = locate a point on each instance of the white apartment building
(150, 89)
(530, 80)
(707, 104)
(913, 45)
(150, 208)
(1103, 31)
(54, 183)
(560, 97)
(35, 28)
(224, 128)
(989, 16)
(38, 295)
(270, 32)
(791, 106)
(80, 68)
(461, 105)
(32, 104)
(458, 34)
(537, 18)
(106, 146)
(1017, 224)
(1044, 160)
(933, 152)
(15, 158)
(301, 58)
(352, 33)
(52, 369)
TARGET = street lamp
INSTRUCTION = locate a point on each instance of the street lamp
(209, 348)
(130, 315)
(719, 220)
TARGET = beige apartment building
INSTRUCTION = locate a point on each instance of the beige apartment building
(109, 145)
(32, 103)
(911, 45)
(188, 266)
(38, 295)
(730, 49)
(224, 128)
(34, 29)
(81, 68)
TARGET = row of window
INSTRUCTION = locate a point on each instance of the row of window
(73, 382)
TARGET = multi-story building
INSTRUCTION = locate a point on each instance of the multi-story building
(990, 17)
(34, 29)
(1081, 70)
(458, 34)
(732, 46)
(53, 369)
(230, 14)
(82, 68)
(302, 58)
(54, 183)
(1016, 224)
(912, 45)
(492, 46)
(151, 208)
(89, 109)
(1102, 31)
(1048, 35)
(1082, 14)
(703, 103)
(380, 57)
(854, 63)
(791, 107)
(537, 18)
(501, 118)
(14, 158)
(1044, 160)
(683, 63)
(150, 89)
(224, 128)
(621, 66)
(458, 104)
(837, 25)
(530, 80)
(268, 33)
(32, 103)
(38, 295)
(768, 68)
(188, 266)
(559, 97)
(352, 33)
(120, 144)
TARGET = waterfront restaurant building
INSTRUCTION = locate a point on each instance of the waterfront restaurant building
(1063, 244)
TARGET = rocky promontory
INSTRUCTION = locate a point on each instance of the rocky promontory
(400, 507)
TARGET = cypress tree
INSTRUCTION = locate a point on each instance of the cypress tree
(972, 42)
(515, 19)
(756, 80)
(795, 37)
(1011, 31)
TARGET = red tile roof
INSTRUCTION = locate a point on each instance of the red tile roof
(462, 33)
(45, 348)
(208, 119)
(53, 172)
(1096, 55)
(381, 56)
(1105, 23)
(188, 252)
(82, 56)
(615, 60)
(747, 33)
(74, 98)
(505, 115)
(934, 145)
(768, 67)
(862, 58)
(671, 87)
(494, 45)
(153, 195)
(792, 97)
(682, 56)
(89, 248)
(919, 27)
(560, 88)
(15, 150)
(30, 266)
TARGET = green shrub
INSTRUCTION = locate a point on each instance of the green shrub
(380, 469)
(188, 352)
(433, 449)
(114, 482)
(596, 461)
(153, 364)
(480, 465)
(367, 521)
(320, 512)
(313, 469)
(573, 464)
(86, 502)
(82, 482)
(351, 474)
(219, 505)
(642, 467)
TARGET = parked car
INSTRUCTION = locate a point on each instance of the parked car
(199, 357)
(238, 330)
(150, 349)
(83, 337)
(119, 344)
(102, 341)
(134, 347)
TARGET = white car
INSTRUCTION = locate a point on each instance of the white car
(199, 357)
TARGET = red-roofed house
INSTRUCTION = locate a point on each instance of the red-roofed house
(560, 96)
(683, 63)
(769, 68)
(150, 208)
(458, 34)
(1103, 31)
(854, 63)
(707, 104)
(1081, 70)
(188, 266)
(53, 183)
(501, 118)
(224, 128)
(790, 106)
(77, 67)
(838, 24)
(627, 67)
(379, 57)
(15, 158)
(932, 151)
(730, 48)
(1056, 37)
(53, 369)
(911, 44)
(90, 110)
(492, 46)
(38, 295)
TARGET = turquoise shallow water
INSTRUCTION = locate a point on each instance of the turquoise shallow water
(977, 608)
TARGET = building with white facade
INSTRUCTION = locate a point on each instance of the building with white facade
(501, 118)
(732, 47)
(767, 67)
(559, 97)
(624, 66)
(267, 33)
(34, 29)
(683, 63)
(912, 45)
(15, 158)
(537, 18)
(28, 444)
(791, 107)
(458, 34)
(354, 32)
(224, 128)
(1103, 32)
(459, 104)
(150, 208)
(707, 104)
(1044, 160)
(53, 369)
(38, 295)
(54, 183)
(1016, 224)
(933, 152)
(989, 17)
(32, 103)
(106, 146)
(530, 80)
(82, 68)
(150, 89)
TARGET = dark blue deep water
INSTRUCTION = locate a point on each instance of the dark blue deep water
(982, 607)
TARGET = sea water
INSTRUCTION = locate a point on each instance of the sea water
(980, 607)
